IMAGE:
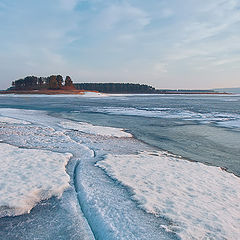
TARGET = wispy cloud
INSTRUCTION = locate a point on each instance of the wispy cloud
(99, 39)
(121, 15)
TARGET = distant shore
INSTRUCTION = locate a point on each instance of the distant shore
(46, 92)
(55, 85)
(82, 92)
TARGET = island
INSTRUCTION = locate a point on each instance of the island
(51, 85)
(55, 84)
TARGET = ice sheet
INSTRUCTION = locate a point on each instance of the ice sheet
(200, 201)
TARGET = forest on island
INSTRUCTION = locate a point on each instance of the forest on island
(134, 88)
(55, 82)
(36, 83)
(115, 87)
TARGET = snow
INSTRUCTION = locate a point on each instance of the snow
(95, 130)
(28, 176)
(200, 201)
(94, 94)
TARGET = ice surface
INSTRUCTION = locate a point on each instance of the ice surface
(19, 115)
(166, 113)
(37, 117)
(12, 120)
(200, 201)
(178, 190)
(95, 130)
(160, 112)
(28, 176)
(231, 124)
(222, 119)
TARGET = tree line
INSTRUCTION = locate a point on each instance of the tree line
(56, 82)
(35, 83)
(115, 87)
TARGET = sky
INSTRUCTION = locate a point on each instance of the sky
(190, 44)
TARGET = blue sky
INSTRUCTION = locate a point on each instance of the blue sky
(164, 43)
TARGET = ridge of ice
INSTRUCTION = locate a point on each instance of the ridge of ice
(200, 201)
(28, 176)
(95, 130)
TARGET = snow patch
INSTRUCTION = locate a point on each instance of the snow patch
(94, 94)
(200, 201)
(28, 176)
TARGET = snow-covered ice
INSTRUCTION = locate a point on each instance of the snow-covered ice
(200, 201)
(12, 120)
(190, 199)
(94, 94)
(95, 130)
(231, 124)
(226, 119)
(28, 176)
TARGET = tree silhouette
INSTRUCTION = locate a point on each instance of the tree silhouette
(53, 84)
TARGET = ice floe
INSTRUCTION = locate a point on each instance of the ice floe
(28, 176)
(200, 201)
